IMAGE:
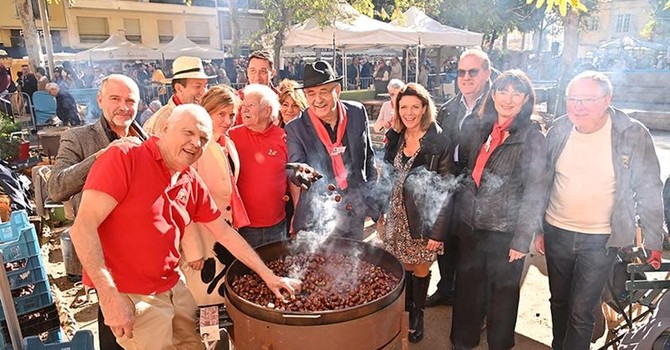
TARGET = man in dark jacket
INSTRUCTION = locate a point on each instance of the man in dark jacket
(332, 137)
(605, 181)
(66, 106)
(458, 118)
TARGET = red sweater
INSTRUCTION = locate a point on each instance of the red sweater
(262, 182)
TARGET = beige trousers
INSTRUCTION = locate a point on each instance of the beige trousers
(165, 321)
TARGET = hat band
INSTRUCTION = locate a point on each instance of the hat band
(190, 70)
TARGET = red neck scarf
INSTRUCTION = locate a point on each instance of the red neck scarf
(495, 139)
(335, 150)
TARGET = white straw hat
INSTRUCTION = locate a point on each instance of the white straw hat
(189, 67)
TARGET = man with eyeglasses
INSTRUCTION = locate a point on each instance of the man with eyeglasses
(458, 118)
(605, 181)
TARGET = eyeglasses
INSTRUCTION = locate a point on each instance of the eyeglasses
(583, 101)
(472, 71)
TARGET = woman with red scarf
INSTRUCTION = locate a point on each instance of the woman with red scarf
(420, 161)
(500, 209)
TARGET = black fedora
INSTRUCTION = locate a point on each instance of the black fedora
(319, 73)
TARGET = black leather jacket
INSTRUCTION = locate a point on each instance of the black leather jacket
(510, 196)
(430, 185)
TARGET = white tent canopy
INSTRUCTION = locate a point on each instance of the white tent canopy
(116, 47)
(434, 33)
(183, 46)
(354, 30)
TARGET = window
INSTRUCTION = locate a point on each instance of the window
(623, 23)
(165, 31)
(198, 32)
(36, 10)
(92, 29)
(133, 32)
(593, 24)
(249, 26)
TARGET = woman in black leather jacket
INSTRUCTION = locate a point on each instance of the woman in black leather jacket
(499, 210)
(420, 160)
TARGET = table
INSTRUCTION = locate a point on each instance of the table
(373, 107)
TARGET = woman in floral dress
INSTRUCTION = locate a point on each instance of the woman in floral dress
(420, 162)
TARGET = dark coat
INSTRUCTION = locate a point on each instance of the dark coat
(449, 118)
(313, 209)
(510, 198)
(66, 108)
(428, 198)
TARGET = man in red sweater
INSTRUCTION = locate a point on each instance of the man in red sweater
(262, 182)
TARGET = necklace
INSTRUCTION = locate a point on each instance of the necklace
(413, 138)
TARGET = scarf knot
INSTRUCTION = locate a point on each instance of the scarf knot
(335, 149)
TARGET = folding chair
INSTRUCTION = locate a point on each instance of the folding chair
(640, 296)
(45, 108)
(643, 297)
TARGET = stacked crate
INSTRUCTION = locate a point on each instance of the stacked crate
(27, 280)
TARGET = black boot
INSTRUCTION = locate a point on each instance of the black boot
(409, 287)
(419, 291)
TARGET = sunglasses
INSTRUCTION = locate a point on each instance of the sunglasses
(472, 72)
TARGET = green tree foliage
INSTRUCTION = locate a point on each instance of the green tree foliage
(493, 18)
(571, 22)
(658, 26)
(562, 5)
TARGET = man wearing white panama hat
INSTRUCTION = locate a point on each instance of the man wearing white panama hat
(189, 83)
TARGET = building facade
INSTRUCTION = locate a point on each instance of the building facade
(83, 24)
(613, 19)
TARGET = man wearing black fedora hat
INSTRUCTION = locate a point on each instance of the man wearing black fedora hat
(189, 84)
(332, 137)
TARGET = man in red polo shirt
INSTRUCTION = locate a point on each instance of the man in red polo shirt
(261, 146)
(136, 202)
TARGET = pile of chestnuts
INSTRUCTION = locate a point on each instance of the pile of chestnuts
(330, 281)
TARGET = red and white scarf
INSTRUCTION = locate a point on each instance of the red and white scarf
(496, 138)
(335, 149)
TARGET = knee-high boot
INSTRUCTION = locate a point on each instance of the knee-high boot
(419, 291)
(409, 287)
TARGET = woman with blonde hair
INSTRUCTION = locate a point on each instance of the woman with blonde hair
(292, 101)
(204, 260)
(419, 158)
